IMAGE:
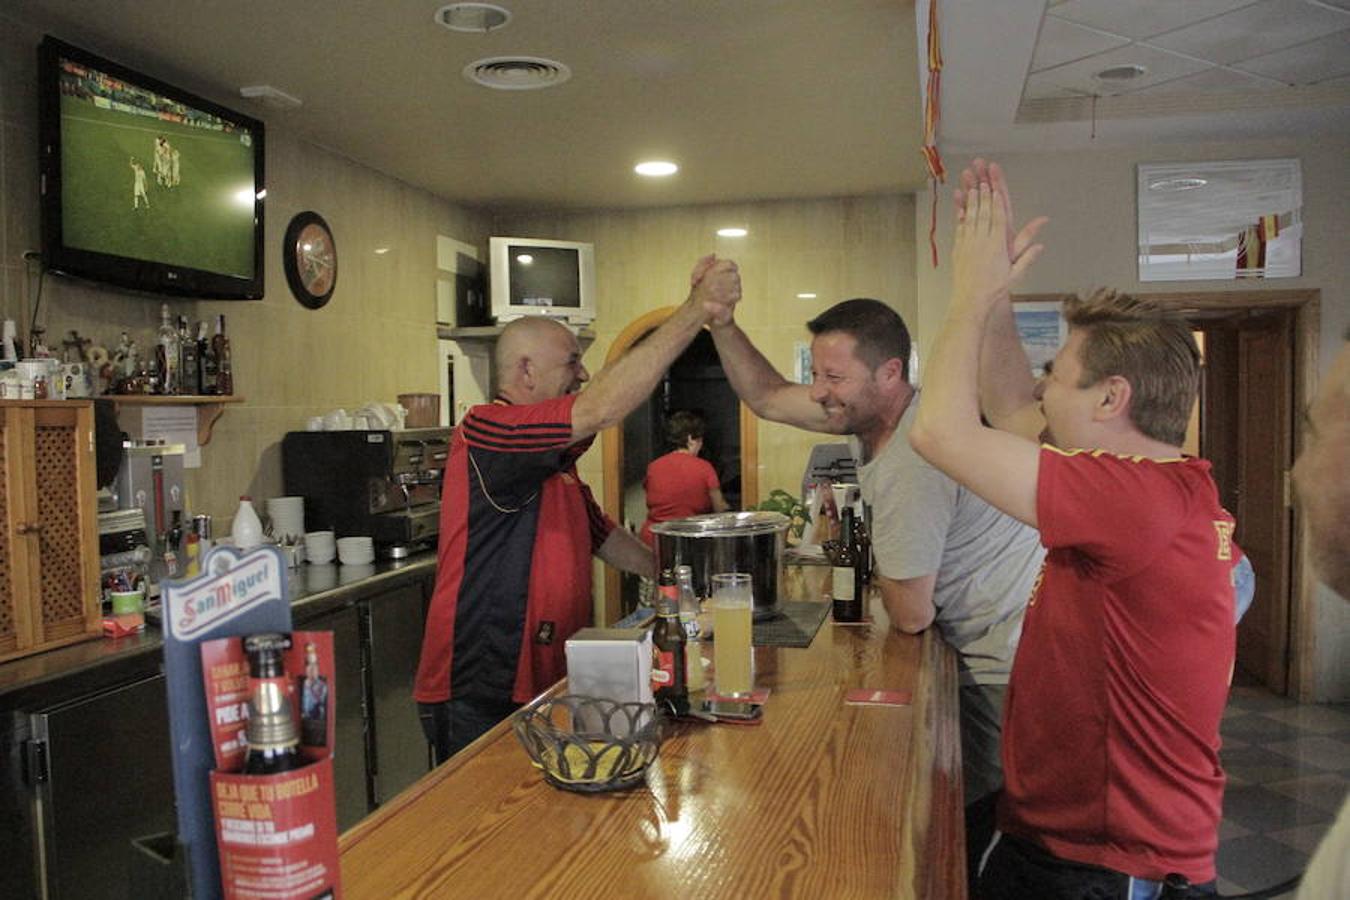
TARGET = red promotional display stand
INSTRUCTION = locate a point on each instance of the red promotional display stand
(276, 834)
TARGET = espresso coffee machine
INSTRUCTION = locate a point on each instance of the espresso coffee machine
(382, 484)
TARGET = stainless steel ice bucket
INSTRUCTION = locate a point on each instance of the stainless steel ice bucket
(728, 542)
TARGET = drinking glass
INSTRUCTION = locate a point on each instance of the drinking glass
(733, 664)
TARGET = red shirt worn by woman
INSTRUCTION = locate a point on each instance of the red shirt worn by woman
(678, 485)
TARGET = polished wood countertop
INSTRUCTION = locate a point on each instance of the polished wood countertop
(821, 799)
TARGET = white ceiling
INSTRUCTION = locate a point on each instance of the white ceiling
(754, 98)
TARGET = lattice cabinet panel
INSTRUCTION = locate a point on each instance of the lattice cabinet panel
(49, 541)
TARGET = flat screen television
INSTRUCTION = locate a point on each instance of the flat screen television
(537, 277)
(146, 186)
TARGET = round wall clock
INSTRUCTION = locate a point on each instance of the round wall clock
(310, 256)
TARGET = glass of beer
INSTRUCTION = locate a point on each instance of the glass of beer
(733, 665)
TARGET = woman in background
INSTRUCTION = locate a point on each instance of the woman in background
(680, 484)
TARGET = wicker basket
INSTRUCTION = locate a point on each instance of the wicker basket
(589, 744)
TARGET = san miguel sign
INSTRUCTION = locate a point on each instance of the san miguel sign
(247, 581)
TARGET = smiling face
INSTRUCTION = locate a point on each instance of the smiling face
(1322, 477)
(556, 365)
(1068, 409)
(844, 386)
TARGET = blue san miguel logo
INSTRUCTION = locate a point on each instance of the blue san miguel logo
(232, 584)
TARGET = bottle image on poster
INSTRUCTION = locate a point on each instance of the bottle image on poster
(313, 701)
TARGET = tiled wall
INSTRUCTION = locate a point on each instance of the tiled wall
(836, 248)
(374, 340)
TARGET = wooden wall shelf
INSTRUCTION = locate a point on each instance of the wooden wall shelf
(209, 407)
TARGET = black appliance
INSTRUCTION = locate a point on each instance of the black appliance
(381, 484)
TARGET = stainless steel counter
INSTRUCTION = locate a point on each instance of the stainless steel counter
(314, 590)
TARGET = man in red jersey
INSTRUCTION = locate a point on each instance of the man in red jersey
(1111, 729)
(518, 526)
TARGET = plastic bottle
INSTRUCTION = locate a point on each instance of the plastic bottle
(246, 529)
(693, 654)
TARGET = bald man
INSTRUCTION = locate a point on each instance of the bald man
(518, 527)
(1322, 478)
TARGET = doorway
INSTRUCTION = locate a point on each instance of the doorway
(1260, 369)
(1247, 434)
(695, 381)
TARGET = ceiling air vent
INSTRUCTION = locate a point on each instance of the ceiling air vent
(517, 73)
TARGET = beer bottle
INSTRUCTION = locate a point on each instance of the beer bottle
(669, 684)
(273, 738)
(843, 577)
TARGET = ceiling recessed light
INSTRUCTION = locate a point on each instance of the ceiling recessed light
(1122, 73)
(656, 168)
(1172, 185)
(477, 18)
(806, 296)
(381, 251)
(732, 232)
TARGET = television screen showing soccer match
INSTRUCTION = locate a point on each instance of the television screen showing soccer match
(151, 181)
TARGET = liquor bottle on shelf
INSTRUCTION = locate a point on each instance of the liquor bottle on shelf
(191, 373)
(273, 738)
(168, 354)
(843, 578)
(669, 667)
(206, 359)
(220, 345)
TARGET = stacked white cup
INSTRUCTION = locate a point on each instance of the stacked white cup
(288, 518)
(320, 547)
(356, 551)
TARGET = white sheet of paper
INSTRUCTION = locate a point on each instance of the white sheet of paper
(174, 425)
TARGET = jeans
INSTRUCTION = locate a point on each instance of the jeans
(452, 725)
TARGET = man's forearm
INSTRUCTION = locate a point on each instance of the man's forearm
(617, 390)
(623, 551)
(1007, 387)
(759, 385)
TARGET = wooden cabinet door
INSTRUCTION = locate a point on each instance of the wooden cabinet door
(49, 564)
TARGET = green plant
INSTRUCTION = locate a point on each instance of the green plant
(781, 501)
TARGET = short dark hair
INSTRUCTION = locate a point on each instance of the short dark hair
(880, 332)
(1150, 347)
(683, 424)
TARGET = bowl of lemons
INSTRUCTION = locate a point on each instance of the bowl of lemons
(589, 744)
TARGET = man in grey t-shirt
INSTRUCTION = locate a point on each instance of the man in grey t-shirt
(943, 555)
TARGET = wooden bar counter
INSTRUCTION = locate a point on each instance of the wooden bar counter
(821, 799)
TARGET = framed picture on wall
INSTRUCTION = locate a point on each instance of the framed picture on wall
(1041, 328)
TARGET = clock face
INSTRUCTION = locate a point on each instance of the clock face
(311, 259)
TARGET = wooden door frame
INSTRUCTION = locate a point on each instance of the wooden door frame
(1307, 306)
(611, 453)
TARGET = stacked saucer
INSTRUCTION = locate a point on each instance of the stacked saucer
(320, 547)
(287, 515)
(356, 551)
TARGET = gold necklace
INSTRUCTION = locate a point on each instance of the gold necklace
(482, 486)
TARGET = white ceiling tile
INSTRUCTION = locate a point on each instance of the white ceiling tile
(1255, 30)
(1215, 79)
(1061, 42)
(1161, 66)
(1311, 63)
(1142, 18)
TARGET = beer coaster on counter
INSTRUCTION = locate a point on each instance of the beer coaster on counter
(874, 697)
(758, 695)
